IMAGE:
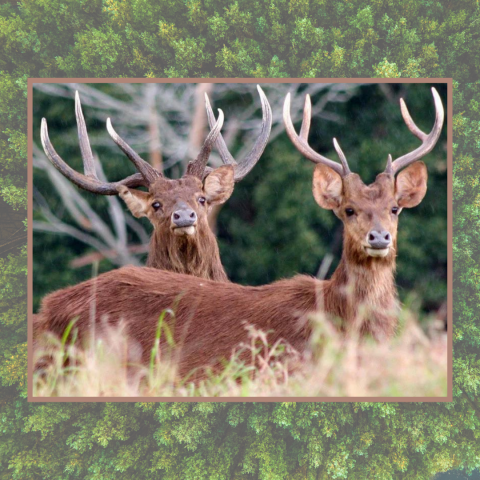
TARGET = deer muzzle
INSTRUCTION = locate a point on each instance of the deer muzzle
(379, 243)
(184, 221)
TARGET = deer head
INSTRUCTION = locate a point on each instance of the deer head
(177, 208)
(369, 212)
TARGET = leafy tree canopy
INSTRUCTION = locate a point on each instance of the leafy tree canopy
(309, 38)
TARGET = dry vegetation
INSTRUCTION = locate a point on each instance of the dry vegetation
(414, 363)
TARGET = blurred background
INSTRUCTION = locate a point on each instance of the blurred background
(271, 227)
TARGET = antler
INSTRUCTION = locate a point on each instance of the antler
(428, 141)
(89, 181)
(198, 167)
(195, 167)
(147, 171)
(242, 169)
(301, 141)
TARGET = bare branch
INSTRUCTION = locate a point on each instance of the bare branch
(97, 256)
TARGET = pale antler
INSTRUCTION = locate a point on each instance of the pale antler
(242, 169)
(195, 167)
(147, 174)
(301, 141)
(198, 166)
(88, 181)
(147, 171)
(428, 141)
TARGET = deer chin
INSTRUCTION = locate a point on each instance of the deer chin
(185, 231)
(377, 252)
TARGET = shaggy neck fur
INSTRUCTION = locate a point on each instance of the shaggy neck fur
(196, 255)
(362, 292)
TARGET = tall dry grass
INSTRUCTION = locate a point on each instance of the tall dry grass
(413, 364)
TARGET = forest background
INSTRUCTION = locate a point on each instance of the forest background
(289, 38)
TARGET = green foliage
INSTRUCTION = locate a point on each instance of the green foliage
(15, 196)
(116, 37)
(228, 440)
(100, 51)
(385, 69)
(318, 38)
(13, 294)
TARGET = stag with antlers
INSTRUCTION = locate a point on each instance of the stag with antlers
(182, 240)
(209, 317)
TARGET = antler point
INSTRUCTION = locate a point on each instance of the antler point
(435, 93)
(308, 101)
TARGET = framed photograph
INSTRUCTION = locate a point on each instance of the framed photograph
(249, 240)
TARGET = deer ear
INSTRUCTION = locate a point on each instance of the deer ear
(411, 185)
(327, 187)
(136, 200)
(218, 186)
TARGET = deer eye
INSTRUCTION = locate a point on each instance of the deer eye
(202, 200)
(349, 212)
(156, 205)
(395, 210)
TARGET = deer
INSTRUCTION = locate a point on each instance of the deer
(182, 240)
(209, 317)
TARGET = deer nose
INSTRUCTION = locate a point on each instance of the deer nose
(378, 239)
(184, 217)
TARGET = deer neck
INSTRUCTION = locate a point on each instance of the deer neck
(363, 293)
(196, 255)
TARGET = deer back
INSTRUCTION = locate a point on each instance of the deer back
(209, 318)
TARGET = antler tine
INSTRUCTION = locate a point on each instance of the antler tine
(342, 156)
(307, 118)
(301, 143)
(87, 155)
(389, 168)
(243, 169)
(147, 171)
(252, 158)
(89, 181)
(223, 151)
(428, 141)
(198, 166)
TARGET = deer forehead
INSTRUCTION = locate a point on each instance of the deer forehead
(184, 188)
(378, 193)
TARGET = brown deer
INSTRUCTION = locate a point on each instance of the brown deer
(209, 317)
(182, 240)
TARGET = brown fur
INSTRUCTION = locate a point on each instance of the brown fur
(210, 316)
(203, 334)
(195, 254)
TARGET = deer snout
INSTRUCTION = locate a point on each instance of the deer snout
(379, 243)
(379, 240)
(184, 220)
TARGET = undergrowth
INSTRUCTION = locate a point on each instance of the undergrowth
(414, 363)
